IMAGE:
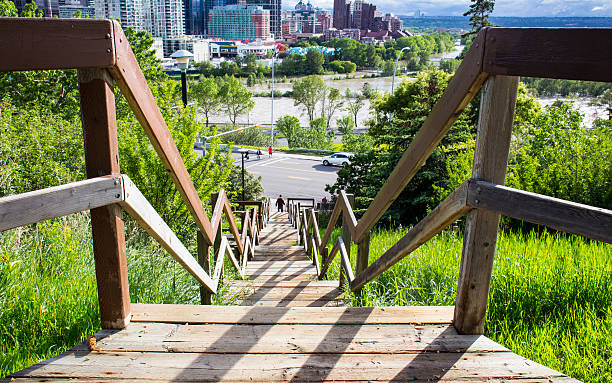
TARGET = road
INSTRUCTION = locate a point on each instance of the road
(291, 175)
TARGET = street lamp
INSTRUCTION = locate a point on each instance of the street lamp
(242, 154)
(272, 113)
(182, 58)
(394, 69)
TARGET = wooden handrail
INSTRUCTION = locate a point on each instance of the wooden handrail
(342, 206)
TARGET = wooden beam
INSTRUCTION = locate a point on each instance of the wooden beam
(44, 43)
(459, 92)
(27, 208)
(348, 225)
(566, 53)
(328, 259)
(108, 231)
(490, 162)
(345, 261)
(363, 254)
(330, 225)
(136, 91)
(232, 224)
(141, 210)
(204, 261)
(447, 212)
(570, 217)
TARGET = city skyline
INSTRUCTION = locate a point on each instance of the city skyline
(515, 8)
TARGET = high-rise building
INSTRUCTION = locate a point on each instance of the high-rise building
(274, 6)
(50, 8)
(340, 15)
(367, 16)
(239, 22)
(129, 12)
(195, 21)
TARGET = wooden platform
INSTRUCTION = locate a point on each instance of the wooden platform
(285, 330)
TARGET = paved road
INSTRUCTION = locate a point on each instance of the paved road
(291, 175)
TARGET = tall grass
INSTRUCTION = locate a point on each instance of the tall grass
(48, 294)
(550, 298)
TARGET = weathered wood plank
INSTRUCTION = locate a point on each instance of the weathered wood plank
(292, 339)
(480, 235)
(297, 315)
(348, 228)
(570, 217)
(332, 223)
(283, 284)
(568, 53)
(141, 210)
(449, 210)
(108, 230)
(35, 206)
(291, 302)
(461, 89)
(43, 43)
(135, 89)
(291, 367)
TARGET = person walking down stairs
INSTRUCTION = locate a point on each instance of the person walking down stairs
(280, 203)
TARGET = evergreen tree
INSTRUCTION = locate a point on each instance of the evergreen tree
(479, 14)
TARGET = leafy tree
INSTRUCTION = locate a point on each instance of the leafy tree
(8, 9)
(345, 125)
(450, 65)
(401, 115)
(253, 190)
(307, 92)
(252, 136)
(605, 100)
(479, 12)
(314, 61)
(235, 98)
(354, 105)
(356, 143)
(332, 102)
(388, 67)
(290, 127)
(206, 95)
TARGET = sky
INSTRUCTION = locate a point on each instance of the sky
(520, 8)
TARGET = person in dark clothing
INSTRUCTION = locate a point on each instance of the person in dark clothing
(280, 203)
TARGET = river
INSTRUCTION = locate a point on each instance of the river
(261, 113)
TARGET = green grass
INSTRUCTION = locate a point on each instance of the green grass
(550, 297)
(48, 295)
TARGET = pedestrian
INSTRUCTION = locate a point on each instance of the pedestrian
(280, 203)
(246, 156)
(270, 151)
(324, 203)
(258, 154)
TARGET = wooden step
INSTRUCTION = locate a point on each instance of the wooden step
(292, 315)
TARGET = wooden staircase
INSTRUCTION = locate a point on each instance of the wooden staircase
(282, 275)
(292, 338)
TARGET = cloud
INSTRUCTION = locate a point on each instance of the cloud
(517, 8)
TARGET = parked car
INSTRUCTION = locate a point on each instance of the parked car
(338, 159)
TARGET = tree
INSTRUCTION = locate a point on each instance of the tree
(479, 14)
(332, 102)
(235, 98)
(345, 125)
(354, 105)
(409, 107)
(8, 9)
(289, 126)
(307, 92)
(314, 61)
(206, 95)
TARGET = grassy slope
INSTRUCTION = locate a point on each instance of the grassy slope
(550, 298)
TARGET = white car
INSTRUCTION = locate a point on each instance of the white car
(338, 159)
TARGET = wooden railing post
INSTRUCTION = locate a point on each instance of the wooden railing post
(108, 230)
(204, 261)
(490, 162)
(346, 233)
(298, 223)
(218, 234)
(363, 254)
